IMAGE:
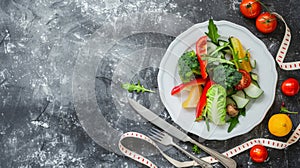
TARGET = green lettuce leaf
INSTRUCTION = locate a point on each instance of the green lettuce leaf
(216, 104)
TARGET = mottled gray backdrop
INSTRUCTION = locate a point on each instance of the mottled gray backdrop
(62, 63)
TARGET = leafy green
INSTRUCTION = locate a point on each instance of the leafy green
(285, 110)
(233, 121)
(216, 104)
(226, 75)
(135, 87)
(196, 149)
(207, 123)
(242, 111)
(188, 66)
(214, 59)
(220, 48)
(212, 31)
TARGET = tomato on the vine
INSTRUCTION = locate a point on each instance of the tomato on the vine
(250, 8)
(245, 81)
(290, 87)
(266, 22)
(258, 153)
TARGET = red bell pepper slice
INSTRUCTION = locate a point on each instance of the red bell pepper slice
(201, 48)
(202, 101)
(179, 88)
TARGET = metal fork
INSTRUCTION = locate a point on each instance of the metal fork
(165, 139)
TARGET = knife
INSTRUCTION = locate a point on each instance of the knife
(175, 132)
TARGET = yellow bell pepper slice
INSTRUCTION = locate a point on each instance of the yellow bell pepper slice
(241, 56)
(193, 97)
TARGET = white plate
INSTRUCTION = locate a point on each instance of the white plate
(255, 111)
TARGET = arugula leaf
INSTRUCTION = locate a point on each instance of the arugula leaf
(233, 122)
(135, 87)
(220, 48)
(242, 111)
(285, 110)
(196, 149)
(212, 32)
(213, 59)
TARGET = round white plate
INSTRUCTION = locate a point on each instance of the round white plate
(257, 108)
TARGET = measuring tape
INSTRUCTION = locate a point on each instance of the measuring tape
(284, 48)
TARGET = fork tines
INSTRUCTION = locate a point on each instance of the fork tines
(156, 134)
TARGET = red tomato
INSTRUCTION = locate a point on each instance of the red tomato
(245, 81)
(290, 87)
(250, 8)
(266, 22)
(258, 153)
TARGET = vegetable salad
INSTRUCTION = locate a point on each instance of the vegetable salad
(219, 78)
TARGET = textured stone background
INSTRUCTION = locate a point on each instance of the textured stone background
(41, 42)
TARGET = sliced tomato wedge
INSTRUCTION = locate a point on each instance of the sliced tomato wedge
(245, 81)
(201, 49)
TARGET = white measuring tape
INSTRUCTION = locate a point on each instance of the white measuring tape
(284, 48)
(230, 153)
(238, 149)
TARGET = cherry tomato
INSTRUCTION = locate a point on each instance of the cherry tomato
(290, 87)
(250, 8)
(266, 22)
(245, 81)
(258, 153)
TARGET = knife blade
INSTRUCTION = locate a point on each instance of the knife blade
(175, 132)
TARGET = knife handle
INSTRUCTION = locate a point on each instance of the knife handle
(226, 161)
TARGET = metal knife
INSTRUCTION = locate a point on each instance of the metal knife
(175, 132)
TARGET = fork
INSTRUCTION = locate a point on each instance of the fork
(165, 139)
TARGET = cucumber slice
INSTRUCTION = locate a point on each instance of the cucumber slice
(229, 100)
(240, 102)
(253, 91)
(254, 76)
(255, 83)
(253, 63)
(241, 94)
